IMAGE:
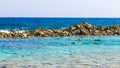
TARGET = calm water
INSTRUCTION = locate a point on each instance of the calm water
(93, 52)
(52, 23)
(58, 52)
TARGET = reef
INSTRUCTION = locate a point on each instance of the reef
(82, 29)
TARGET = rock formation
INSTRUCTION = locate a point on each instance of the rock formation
(83, 29)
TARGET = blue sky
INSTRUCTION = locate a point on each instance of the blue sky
(59, 8)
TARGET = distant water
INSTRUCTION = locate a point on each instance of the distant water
(14, 24)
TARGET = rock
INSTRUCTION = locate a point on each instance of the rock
(95, 43)
(73, 43)
(73, 28)
(87, 25)
(78, 25)
(36, 34)
(97, 40)
(84, 29)
(97, 33)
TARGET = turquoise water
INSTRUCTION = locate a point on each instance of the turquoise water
(91, 50)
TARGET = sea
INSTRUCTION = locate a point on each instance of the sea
(58, 52)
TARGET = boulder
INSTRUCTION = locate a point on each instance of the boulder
(84, 29)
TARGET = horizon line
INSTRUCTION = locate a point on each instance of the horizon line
(52, 17)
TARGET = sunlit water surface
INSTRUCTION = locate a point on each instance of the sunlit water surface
(61, 52)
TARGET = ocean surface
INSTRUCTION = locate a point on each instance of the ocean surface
(59, 52)
(14, 24)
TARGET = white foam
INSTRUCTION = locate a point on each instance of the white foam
(4, 31)
(20, 31)
(7, 31)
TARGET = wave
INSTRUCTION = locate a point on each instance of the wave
(8, 31)
(21, 31)
(5, 31)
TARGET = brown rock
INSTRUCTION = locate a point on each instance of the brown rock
(73, 28)
(77, 30)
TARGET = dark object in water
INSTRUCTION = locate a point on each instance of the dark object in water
(3, 67)
(73, 43)
(78, 39)
(95, 43)
(97, 40)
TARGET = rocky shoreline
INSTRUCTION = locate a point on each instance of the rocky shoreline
(82, 29)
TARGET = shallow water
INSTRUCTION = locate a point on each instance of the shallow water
(86, 52)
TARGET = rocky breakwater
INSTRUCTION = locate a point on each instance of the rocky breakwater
(84, 29)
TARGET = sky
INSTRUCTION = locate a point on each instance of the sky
(59, 8)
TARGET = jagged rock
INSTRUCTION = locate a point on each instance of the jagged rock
(85, 29)
(87, 25)
(73, 28)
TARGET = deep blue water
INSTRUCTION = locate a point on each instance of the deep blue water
(52, 23)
